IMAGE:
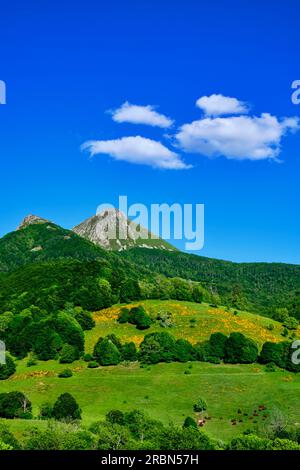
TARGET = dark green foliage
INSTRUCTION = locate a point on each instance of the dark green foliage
(66, 408)
(189, 422)
(276, 284)
(87, 357)
(46, 411)
(274, 353)
(93, 365)
(115, 417)
(157, 347)
(69, 330)
(217, 343)
(14, 405)
(7, 369)
(106, 352)
(129, 352)
(139, 317)
(8, 438)
(129, 290)
(200, 405)
(240, 350)
(68, 354)
(124, 315)
(65, 374)
(184, 351)
(84, 318)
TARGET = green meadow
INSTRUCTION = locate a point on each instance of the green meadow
(235, 394)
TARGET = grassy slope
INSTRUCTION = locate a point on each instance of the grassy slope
(164, 390)
(208, 320)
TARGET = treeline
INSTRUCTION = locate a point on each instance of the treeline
(163, 347)
(259, 287)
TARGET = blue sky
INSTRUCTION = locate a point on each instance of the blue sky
(66, 63)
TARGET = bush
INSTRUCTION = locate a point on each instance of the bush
(66, 408)
(115, 417)
(200, 406)
(140, 318)
(184, 351)
(87, 357)
(59, 436)
(106, 352)
(129, 352)
(275, 353)
(189, 422)
(93, 365)
(68, 354)
(84, 318)
(158, 347)
(124, 315)
(240, 350)
(14, 405)
(7, 369)
(46, 411)
(7, 437)
(291, 323)
(65, 374)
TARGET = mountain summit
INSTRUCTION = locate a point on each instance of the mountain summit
(31, 220)
(111, 230)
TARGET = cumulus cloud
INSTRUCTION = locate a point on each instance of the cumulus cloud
(135, 114)
(138, 150)
(236, 137)
(218, 105)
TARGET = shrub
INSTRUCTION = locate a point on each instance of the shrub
(87, 357)
(275, 353)
(7, 437)
(14, 405)
(124, 315)
(84, 318)
(7, 369)
(115, 417)
(46, 411)
(200, 406)
(129, 352)
(106, 352)
(240, 350)
(189, 422)
(291, 323)
(66, 408)
(68, 354)
(93, 365)
(140, 318)
(65, 374)
(157, 347)
(184, 351)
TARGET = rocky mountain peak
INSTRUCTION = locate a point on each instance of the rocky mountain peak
(30, 220)
(112, 230)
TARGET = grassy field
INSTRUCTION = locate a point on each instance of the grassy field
(168, 391)
(165, 392)
(206, 319)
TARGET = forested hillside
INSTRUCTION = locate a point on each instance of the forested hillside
(260, 287)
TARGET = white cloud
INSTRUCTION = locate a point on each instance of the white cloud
(236, 137)
(218, 105)
(138, 150)
(135, 114)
